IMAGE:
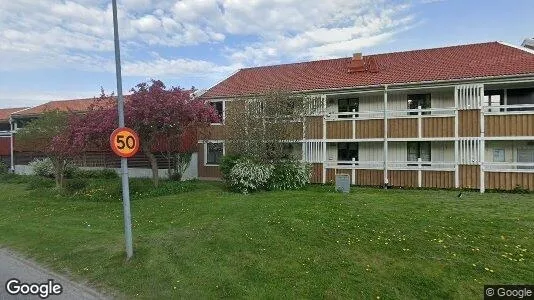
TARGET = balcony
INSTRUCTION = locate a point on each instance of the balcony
(400, 173)
(509, 120)
(402, 124)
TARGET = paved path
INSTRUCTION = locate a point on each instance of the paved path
(13, 266)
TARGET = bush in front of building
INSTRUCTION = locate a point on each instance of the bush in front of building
(248, 176)
(97, 173)
(3, 168)
(245, 175)
(45, 168)
(75, 184)
(289, 175)
(227, 163)
(42, 167)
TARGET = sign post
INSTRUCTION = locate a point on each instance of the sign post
(124, 160)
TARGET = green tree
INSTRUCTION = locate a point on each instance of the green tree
(261, 128)
(48, 134)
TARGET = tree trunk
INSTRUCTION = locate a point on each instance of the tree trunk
(153, 163)
(59, 171)
(169, 164)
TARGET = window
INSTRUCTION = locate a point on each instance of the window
(347, 105)
(416, 100)
(525, 155)
(493, 99)
(498, 155)
(214, 152)
(418, 150)
(219, 107)
(347, 151)
(520, 96)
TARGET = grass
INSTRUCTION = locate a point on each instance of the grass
(204, 242)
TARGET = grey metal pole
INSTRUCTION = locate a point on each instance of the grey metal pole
(124, 161)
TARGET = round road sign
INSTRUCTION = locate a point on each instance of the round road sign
(124, 142)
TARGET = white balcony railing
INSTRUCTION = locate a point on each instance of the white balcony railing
(391, 114)
(518, 109)
(392, 165)
(522, 167)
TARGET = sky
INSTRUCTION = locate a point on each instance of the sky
(55, 49)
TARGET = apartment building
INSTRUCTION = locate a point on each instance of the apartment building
(451, 117)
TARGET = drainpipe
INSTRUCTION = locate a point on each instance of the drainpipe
(11, 132)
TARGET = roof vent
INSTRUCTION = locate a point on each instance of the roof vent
(359, 64)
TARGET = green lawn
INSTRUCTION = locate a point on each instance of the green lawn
(205, 242)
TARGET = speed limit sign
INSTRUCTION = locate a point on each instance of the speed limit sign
(124, 142)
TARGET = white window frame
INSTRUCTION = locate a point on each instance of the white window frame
(223, 111)
(206, 151)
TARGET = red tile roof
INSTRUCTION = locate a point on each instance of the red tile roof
(447, 63)
(75, 105)
(6, 112)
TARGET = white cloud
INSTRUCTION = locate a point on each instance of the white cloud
(78, 34)
(28, 99)
(178, 68)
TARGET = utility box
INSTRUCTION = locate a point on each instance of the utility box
(343, 183)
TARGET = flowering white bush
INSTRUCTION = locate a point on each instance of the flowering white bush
(247, 176)
(42, 167)
(45, 168)
(289, 175)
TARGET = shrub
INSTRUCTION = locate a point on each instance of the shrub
(289, 175)
(37, 182)
(247, 176)
(45, 168)
(99, 173)
(42, 167)
(75, 184)
(3, 168)
(226, 165)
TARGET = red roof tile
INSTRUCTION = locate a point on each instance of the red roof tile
(6, 112)
(75, 105)
(447, 63)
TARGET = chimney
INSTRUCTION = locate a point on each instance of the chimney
(356, 63)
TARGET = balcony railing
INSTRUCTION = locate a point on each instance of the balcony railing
(391, 114)
(393, 165)
(518, 109)
(522, 167)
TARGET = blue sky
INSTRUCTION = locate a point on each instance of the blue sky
(52, 49)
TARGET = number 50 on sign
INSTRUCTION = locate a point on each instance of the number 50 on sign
(124, 142)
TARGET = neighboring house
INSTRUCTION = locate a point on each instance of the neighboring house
(5, 134)
(138, 164)
(451, 117)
